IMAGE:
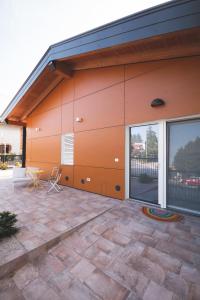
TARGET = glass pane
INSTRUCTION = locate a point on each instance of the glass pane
(144, 163)
(184, 165)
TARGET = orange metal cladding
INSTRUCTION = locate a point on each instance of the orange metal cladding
(107, 99)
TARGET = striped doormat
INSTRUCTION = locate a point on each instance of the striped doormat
(161, 214)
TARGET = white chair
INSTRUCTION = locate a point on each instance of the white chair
(54, 183)
(20, 175)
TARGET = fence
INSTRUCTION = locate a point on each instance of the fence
(10, 159)
(144, 165)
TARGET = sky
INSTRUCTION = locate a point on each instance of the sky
(29, 27)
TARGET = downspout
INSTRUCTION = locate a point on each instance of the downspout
(24, 146)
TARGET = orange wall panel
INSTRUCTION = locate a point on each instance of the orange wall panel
(51, 101)
(46, 149)
(176, 82)
(93, 80)
(67, 90)
(67, 177)
(48, 122)
(102, 181)
(67, 118)
(102, 109)
(99, 148)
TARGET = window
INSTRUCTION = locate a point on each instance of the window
(5, 148)
(67, 149)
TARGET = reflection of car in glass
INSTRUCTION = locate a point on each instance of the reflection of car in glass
(193, 181)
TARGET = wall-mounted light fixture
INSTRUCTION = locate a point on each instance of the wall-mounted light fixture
(37, 129)
(79, 120)
(157, 102)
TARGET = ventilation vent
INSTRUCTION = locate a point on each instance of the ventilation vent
(67, 154)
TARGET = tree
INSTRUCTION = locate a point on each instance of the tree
(151, 143)
(136, 138)
(187, 158)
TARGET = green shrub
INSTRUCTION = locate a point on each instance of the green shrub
(7, 224)
(145, 178)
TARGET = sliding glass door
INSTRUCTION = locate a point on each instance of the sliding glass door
(144, 163)
(183, 167)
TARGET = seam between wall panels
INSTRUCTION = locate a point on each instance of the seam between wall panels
(88, 130)
(73, 128)
(95, 167)
(72, 166)
(124, 93)
(95, 92)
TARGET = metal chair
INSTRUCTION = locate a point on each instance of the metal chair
(54, 173)
(54, 179)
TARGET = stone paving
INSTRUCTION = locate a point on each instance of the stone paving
(43, 219)
(122, 254)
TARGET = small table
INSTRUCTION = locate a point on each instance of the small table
(35, 175)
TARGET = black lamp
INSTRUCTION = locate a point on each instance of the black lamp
(157, 102)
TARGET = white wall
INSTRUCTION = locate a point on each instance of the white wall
(10, 134)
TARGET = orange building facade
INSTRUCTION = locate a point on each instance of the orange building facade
(118, 108)
(108, 100)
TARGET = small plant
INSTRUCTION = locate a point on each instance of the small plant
(7, 224)
(145, 178)
(3, 166)
(18, 164)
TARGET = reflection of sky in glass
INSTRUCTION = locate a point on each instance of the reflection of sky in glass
(142, 130)
(180, 134)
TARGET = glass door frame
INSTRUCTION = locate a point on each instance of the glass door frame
(161, 160)
(168, 122)
(162, 156)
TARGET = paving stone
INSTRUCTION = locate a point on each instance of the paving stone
(48, 265)
(9, 291)
(189, 246)
(60, 281)
(176, 251)
(105, 287)
(100, 228)
(157, 292)
(25, 275)
(161, 235)
(177, 284)
(148, 268)
(39, 290)
(11, 294)
(148, 240)
(195, 292)
(80, 243)
(190, 274)
(166, 261)
(128, 277)
(82, 269)
(78, 291)
(116, 237)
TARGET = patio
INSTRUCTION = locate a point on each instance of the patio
(78, 245)
(43, 218)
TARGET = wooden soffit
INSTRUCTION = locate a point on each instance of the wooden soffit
(51, 76)
(173, 45)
